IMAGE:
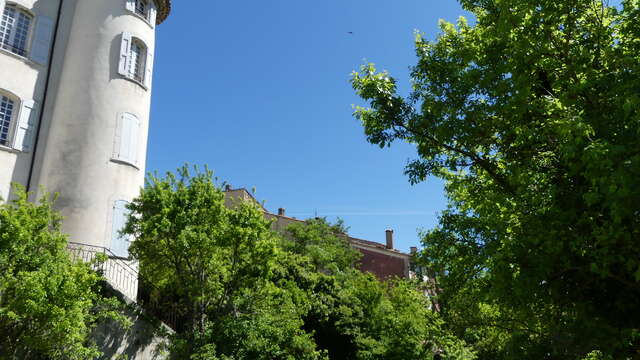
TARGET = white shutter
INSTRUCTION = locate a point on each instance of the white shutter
(25, 129)
(120, 243)
(41, 45)
(125, 51)
(126, 143)
(131, 5)
(2, 2)
(153, 13)
(134, 129)
(148, 69)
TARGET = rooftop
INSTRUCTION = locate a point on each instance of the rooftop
(164, 8)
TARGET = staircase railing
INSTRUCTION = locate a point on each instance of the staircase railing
(119, 272)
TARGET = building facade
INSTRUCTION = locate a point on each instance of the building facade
(75, 94)
(382, 260)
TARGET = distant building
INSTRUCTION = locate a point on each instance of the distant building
(75, 94)
(382, 260)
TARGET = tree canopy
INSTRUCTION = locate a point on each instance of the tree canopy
(531, 116)
(242, 291)
(48, 303)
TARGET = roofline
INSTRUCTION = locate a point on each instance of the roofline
(164, 8)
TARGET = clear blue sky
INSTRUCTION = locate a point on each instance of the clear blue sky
(259, 91)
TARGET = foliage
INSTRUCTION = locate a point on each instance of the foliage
(325, 244)
(247, 293)
(531, 116)
(214, 264)
(48, 303)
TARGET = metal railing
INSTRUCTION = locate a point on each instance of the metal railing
(124, 277)
(118, 271)
(21, 51)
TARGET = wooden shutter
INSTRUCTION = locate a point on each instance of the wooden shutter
(25, 129)
(131, 5)
(125, 52)
(126, 144)
(120, 243)
(148, 69)
(42, 37)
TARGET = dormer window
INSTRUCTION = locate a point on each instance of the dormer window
(15, 25)
(145, 9)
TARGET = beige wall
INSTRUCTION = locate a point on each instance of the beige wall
(77, 139)
(25, 80)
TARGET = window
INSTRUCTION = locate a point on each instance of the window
(119, 242)
(146, 9)
(18, 119)
(126, 142)
(14, 30)
(137, 57)
(141, 8)
(135, 60)
(7, 111)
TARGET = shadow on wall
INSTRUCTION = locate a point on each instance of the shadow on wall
(147, 338)
(143, 340)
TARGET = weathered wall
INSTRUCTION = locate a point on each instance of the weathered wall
(144, 340)
(25, 80)
(75, 151)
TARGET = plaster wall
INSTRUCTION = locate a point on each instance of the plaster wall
(23, 79)
(77, 139)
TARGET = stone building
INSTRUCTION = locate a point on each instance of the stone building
(75, 94)
(382, 260)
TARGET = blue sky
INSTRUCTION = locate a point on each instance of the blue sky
(259, 91)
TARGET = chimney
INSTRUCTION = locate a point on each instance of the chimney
(389, 233)
(281, 212)
(227, 187)
(414, 250)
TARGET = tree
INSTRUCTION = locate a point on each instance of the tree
(48, 303)
(353, 315)
(531, 117)
(325, 244)
(245, 292)
(213, 264)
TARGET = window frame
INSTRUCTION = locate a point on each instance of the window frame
(141, 61)
(12, 32)
(145, 62)
(13, 120)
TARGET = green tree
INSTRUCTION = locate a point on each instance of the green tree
(325, 244)
(214, 265)
(353, 315)
(48, 303)
(531, 116)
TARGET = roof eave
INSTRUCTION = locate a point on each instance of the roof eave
(164, 8)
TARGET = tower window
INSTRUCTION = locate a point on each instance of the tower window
(146, 9)
(7, 111)
(141, 8)
(14, 30)
(137, 58)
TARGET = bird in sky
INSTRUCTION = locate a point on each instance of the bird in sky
(350, 32)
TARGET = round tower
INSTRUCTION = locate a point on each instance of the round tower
(92, 144)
